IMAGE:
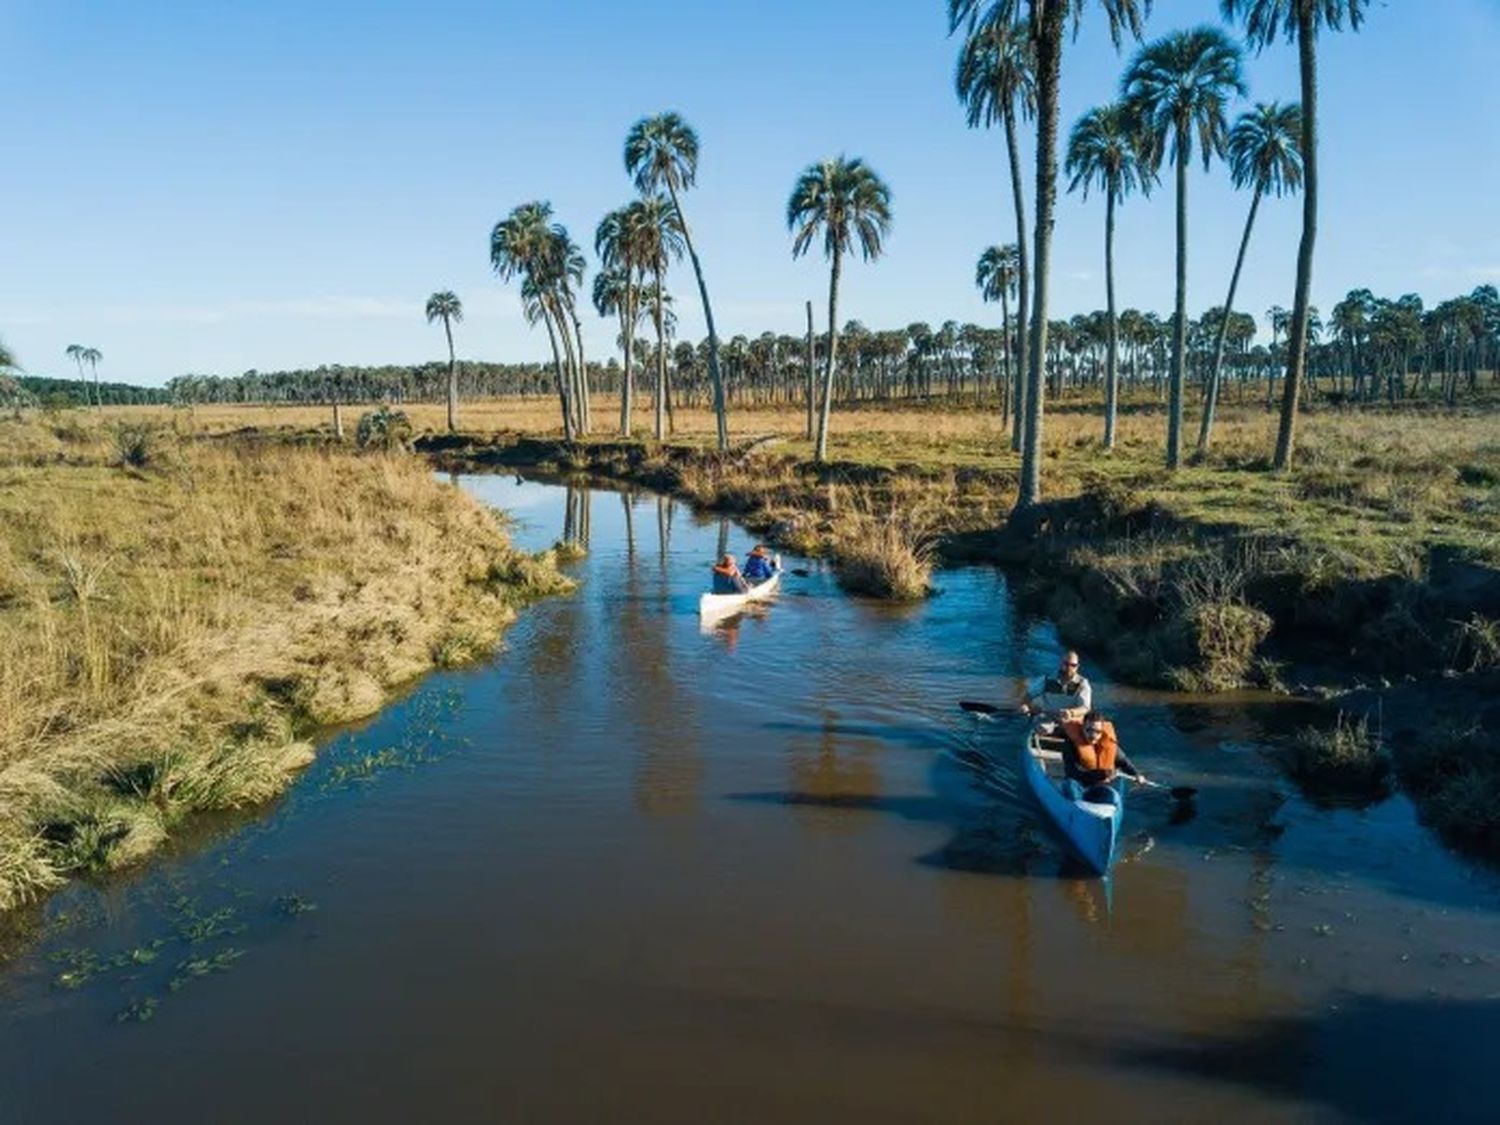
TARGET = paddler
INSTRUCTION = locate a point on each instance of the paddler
(758, 565)
(727, 577)
(1093, 755)
(1064, 696)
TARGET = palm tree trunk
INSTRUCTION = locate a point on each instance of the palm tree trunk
(627, 388)
(1179, 323)
(1112, 370)
(720, 416)
(570, 367)
(1023, 270)
(661, 357)
(338, 418)
(562, 379)
(1049, 43)
(811, 377)
(1006, 398)
(1211, 399)
(585, 414)
(820, 451)
(452, 379)
(1296, 360)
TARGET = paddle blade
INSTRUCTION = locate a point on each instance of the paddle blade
(978, 708)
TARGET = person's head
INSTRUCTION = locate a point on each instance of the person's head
(1069, 667)
(727, 560)
(1093, 725)
(758, 549)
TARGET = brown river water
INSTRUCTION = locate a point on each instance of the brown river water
(634, 871)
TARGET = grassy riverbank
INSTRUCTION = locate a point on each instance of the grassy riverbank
(178, 616)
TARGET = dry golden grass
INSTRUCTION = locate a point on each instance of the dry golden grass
(1375, 483)
(172, 632)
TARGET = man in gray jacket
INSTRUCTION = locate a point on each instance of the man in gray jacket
(1064, 696)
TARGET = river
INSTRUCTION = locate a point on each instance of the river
(635, 871)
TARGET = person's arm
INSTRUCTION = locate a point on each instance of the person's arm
(1124, 765)
(1085, 695)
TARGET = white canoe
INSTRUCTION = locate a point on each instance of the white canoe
(721, 605)
(1089, 829)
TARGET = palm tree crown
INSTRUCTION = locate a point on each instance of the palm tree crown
(1264, 20)
(1123, 15)
(996, 70)
(1109, 149)
(1264, 148)
(844, 199)
(1180, 85)
(445, 305)
(662, 152)
(996, 272)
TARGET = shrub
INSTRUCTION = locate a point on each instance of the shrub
(1454, 777)
(1348, 758)
(136, 445)
(386, 429)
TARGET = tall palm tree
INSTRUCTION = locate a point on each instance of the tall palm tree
(7, 357)
(995, 80)
(617, 292)
(662, 152)
(654, 231)
(849, 205)
(93, 357)
(446, 306)
(527, 246)
(79, 354)
(1046, 22)
(1179, 86)
(998, 275)
(1298, 20)
(1108, 148)
(1263, 156)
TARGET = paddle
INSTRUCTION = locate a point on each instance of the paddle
(1178, 792)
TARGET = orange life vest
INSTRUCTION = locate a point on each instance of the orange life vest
(1099, 755)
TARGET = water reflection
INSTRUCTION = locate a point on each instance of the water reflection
(770, 868)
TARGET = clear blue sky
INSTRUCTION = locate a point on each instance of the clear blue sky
(210, 186)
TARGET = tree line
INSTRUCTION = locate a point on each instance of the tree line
(1370, 348)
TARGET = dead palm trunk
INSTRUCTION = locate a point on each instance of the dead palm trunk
(1051, 26)
(452, 379)
(820, 450)
(585, 413)
(1296, 360)
(627, 329)
(1211, 398)
(720, 416)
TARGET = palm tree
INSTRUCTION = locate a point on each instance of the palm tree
(995, 78)
(654, 231)
(446, 306)
(1179, 86)
(1297, 20)
(997, 276)
(1264, 156)
(80, 355)
(617, 292)
(526, 245)
(7, 357)
(1108, 148)
(848, 203)
(1047, 28)
(662, 152)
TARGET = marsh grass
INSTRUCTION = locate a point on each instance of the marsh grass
(1347, 759)
(173, 632)
(1453, 775)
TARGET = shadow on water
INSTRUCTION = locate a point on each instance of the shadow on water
(1368, 1058)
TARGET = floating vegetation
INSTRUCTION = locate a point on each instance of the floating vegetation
(79, 966)
(290, 906)
(424, 738)
(138, 1010)
(195, 967)
(194, 927)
